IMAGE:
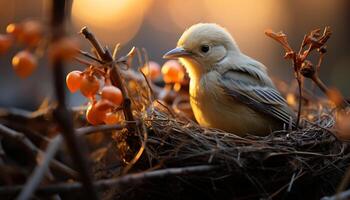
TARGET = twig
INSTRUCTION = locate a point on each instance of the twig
(83, 61)
(114, 182)
(313, 40)
(339, 196)
(300, 85)
(344, 182)
(9, 133)
(116, 79)
(114, 73)
(62, 115)
(39, 171)
(139, 153)
(19, 113)
(86, 54)
(101, 128)
(285, 186)
(115, 51)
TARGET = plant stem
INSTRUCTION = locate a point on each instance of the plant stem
(132, 179)
(297, 77)
(62, 115)
(131, 138)
(116, 79)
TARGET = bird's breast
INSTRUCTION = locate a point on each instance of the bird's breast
(205, 98)
(212, 107)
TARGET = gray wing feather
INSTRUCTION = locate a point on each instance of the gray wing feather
(258, 95)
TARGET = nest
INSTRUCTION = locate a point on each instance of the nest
(286, 163)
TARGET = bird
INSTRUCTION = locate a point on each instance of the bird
(229, 90)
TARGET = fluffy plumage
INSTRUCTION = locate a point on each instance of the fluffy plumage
(228, 89)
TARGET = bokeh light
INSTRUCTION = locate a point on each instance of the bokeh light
(112, 20)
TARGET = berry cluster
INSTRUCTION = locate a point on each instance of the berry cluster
(94, 82)
(172, 71)
(28, 33)
(31, 35)
(103, 109)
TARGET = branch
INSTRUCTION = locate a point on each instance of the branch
(114, 73)
(19, 137)
(340, 196)
(114, 182)
(116, 79)
(38, 174)
(86, 54)
(39, 171)
(62, 115)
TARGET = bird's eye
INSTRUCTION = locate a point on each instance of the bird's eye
(205, 48)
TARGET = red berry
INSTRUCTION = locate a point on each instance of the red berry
(24, 63)
(152, 70)
(73, 80)
(14, 30)
(173, 72)
(32, 32)
(89, 86)
(112, 94)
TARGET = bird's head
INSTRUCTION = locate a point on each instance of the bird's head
(202, 46)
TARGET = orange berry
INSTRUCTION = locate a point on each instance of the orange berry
(14, 29)
(95, 116)
(65, 48)
(173, 72)
(24, 63)
(73, 80)
(111, 118)
(104, 105)
(32, 33)
(112, 94)
(89, 86)
(152, 70)
(5, 43)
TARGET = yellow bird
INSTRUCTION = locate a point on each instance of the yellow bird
(229, 90)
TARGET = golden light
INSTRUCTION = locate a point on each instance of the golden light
(247, 20)
(159, 18)
(291, 99)
(186, 13)
(112, 20)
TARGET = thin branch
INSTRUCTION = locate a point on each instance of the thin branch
(299, 99)
(83, 61)
(114, 182)
(339, 196)
(19, 137)
(114, 73)
(139, 153)
(86, 54)
(38, 174)
(62, 115)
(39, 171)
(94, 42)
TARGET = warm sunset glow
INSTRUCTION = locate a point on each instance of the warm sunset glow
(291, 99)
(186, 13)
(247, 20)
(112, 20)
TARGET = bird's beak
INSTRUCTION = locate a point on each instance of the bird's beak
(176, 53)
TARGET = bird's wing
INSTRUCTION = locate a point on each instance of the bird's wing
(244, 87)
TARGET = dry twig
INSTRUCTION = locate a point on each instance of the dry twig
(115, 182)
(301, 65)
(61, 113)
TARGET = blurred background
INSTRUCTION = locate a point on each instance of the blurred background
(157, 24)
